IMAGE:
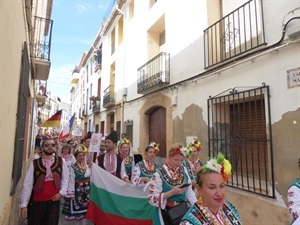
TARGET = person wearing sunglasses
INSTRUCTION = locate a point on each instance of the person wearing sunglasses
(46, 181)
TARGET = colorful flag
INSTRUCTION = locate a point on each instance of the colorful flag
(65, 132)
(53, 121)
(112, 201)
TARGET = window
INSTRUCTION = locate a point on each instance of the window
(21, 120)
(240, 128)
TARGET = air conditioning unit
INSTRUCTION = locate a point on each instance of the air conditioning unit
(124, 93)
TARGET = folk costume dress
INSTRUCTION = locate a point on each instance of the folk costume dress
(78, 194)
(144, 168)
(293, 196)
(129, 165)
(201, 215)
(163, 180)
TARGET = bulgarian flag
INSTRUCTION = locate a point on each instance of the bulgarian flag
(53, 121)
(112, 201)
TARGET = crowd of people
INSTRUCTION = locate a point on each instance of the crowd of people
(184, 190)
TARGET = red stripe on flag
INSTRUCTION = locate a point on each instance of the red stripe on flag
(97, 216)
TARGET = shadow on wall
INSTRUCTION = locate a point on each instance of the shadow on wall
(191, 124)
(286, 139)
(256, 211)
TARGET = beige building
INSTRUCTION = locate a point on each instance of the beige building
(25, 27)
(226, 72)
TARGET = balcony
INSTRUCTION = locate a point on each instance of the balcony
(42, 47)
(155, 74)
(236, 34)
(108, 99)
(84, 112)
(96, 107)
(75, 75)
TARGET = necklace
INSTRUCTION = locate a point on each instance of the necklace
(80, 167)
(211, 218)
(175, 174)
(149, 165)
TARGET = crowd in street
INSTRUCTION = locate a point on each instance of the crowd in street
(184, 190)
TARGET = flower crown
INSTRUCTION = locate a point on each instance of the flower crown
(125, 141)
(220, 165)
(81, 148)
(197, 144)
(183, 150)
(155, 146)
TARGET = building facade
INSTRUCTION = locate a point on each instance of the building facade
(226, 72)
(25, 42)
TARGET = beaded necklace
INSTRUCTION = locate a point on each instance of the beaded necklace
(80, 167)
(212, 220)
(175, 174)
(149, 165)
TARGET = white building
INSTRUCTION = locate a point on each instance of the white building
(226, 72)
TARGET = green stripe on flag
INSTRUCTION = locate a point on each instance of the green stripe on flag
(124, 206)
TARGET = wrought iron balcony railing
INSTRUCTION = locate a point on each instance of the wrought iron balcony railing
(41, 47)
(154, 74)
(235, 34)
(42, 38)
(96, 107)
(108, 97)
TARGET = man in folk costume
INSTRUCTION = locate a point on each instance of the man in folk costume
(46, 181)
(111, 161)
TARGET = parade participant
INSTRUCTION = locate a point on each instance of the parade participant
(77, 200)
(293, 196)
(211, 207)
(144, 169)
(110, 160)
(46, 181)
(57, 144)
(67, 155)
(193, 163)
(124, 151)
(169, 190)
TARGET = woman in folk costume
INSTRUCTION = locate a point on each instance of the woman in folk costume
(193, 163)
(211, 207)
(67, 155)
(293, 196)
(169, 188)
(76, 204)
(144, 169)
(124, 151)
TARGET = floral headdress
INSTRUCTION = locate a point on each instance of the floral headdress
(125, 141)
(197, 144)
(220, 165)
(155, 146)
(182, 150)
(81, 148)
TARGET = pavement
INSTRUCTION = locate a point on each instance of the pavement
(62, 220)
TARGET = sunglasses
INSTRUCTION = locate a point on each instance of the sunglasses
(48, 145)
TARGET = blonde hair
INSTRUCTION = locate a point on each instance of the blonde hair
(174, 150)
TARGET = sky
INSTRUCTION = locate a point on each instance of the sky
(75, 26)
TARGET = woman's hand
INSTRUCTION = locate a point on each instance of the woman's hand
(179, 190)
(144, 180)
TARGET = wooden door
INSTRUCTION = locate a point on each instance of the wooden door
(157, 129)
